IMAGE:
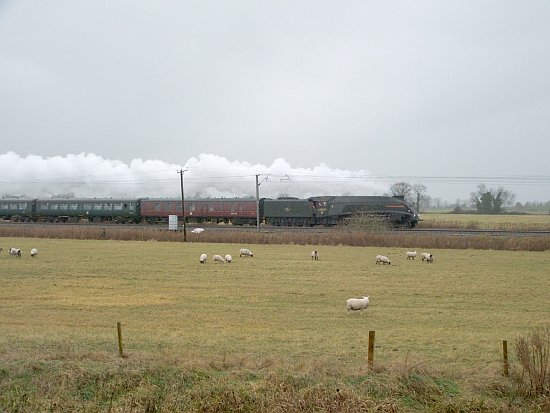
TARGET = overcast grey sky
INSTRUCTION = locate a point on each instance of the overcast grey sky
(356, 94)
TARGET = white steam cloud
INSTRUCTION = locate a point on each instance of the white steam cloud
(208, 175)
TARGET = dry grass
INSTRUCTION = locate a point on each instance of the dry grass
(336, 237)
(268, 333)
(475, 221)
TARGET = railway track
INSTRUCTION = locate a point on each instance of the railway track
(270, 229)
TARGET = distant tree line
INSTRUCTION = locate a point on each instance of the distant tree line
(484, 200)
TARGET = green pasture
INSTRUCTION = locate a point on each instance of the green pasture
(477, 221)
(279, 305)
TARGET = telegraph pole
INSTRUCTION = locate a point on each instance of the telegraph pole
(258, 199)
(257, 203)
(181, 172)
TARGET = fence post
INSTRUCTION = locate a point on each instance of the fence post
(505, 358)
(119, 329)
(371, 348)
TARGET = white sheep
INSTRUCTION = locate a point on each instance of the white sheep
(382, 259)
(245, 253)
(34, 252)
(218, 258)
(198, 231)
(202, 258)
(228, 258)
(411, 255)
(357, 304)
(426, 256)
(314, 255)
(15, 252)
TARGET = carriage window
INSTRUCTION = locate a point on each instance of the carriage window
(168, 206)
(117, 207)
(211, 207)
(4, 206)
(178, 206)
(98, 207)
(54, 206)
(192, 206)
(23, 205)
(13, 206)
(87, 207)
(108, 207)
(73, 207)
(64, 206)
(157, 206)
(44, 206)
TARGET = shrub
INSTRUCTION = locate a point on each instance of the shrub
(533, 354)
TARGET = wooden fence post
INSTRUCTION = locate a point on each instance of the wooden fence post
(505, 358)
(371, 348)
(119, 329)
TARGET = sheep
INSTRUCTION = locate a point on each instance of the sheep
(314, 255)
(245, 253)
(34, 252)
(15, 252)
(198, 231)
(202, 258)
(228, 258)
(218, 258)
(411, 255)
(357, 304)
(382, 259)
(426, 256)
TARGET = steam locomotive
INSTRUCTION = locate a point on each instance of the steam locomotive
(313, 211)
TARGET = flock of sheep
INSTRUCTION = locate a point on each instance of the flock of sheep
(360, 304)
(227, 259)
(17, 252)
(352, 304)
(410, 255)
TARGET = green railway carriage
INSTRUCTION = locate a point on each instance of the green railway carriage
(17, 209)
(91, 209)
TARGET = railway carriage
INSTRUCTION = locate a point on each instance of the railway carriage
(237, 211)
(91, 209)
(17, 209)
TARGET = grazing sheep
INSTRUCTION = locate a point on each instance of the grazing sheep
(15, 252)
(426, 256)
(34, 252)
(411, 255)
(245, 253)
(228, 258)
(218, 258)
(1, 250)
(382, 259)
(314, 255)
(203, 258)
(198, 231)
(357, 304)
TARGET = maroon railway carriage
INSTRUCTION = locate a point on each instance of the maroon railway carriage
(237, 211)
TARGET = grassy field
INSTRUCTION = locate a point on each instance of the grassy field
(475, 221)
(277, 319)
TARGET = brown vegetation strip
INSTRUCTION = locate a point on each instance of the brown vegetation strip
(349, 238)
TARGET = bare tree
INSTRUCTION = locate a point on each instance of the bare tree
(420, 193)
(402, 189)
